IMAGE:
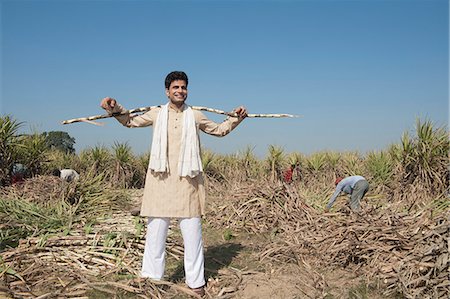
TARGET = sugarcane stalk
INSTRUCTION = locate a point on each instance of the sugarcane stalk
(90, 119)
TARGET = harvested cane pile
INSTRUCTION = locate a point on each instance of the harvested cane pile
(56, 249)
(39, 189)
(90, 258)
(100, 246)
(106, 260)
(71, 266)
(408, 253)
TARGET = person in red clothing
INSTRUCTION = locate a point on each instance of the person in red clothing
(289, 174)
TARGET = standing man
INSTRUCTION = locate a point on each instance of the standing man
(356, 186)
(174, 183)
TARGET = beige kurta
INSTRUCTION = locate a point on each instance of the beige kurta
(168, 194)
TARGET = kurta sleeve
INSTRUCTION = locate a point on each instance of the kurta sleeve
(212, 128)
(132, 121)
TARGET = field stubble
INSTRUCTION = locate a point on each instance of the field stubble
(263, 239)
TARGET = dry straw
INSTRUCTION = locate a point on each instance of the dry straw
(408, 253)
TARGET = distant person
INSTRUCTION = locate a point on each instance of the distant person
(174, 186)
(288, 174)
(355, 186)
(18, 173)
(67, 175)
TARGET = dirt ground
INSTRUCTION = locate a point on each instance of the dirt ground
(264, 279)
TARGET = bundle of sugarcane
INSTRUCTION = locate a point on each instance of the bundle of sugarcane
(90, 119)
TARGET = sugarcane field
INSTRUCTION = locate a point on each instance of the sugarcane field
(266, 230)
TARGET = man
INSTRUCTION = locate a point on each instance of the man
(67, 175)
(174, 183)
(356, 186)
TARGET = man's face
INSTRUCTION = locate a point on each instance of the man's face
(177, 92)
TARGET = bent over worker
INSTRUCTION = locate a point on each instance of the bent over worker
(174, 185)
(356, 186)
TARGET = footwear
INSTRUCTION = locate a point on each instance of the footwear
(199, 291)
(136, 211)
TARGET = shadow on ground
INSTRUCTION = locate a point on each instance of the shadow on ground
(216, 258)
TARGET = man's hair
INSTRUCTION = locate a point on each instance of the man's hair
(56, 172)
(176, 75)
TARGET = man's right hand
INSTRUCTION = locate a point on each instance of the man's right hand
(108, 104)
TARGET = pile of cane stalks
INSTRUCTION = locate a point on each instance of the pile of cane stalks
(404, 252)
(79, 240)
(73, 240)
(72, 266)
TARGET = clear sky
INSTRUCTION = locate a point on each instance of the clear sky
(359, 72)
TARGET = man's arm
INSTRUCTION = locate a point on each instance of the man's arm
(333, 197)
(210, 127)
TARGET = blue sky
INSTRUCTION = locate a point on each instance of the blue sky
(359, 72)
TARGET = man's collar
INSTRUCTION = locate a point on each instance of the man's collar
(184, 107)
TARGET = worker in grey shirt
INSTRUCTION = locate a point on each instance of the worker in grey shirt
(356, 186)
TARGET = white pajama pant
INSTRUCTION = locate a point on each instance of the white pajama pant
(154, 260)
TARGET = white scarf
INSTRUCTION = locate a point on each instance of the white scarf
(189, 161)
